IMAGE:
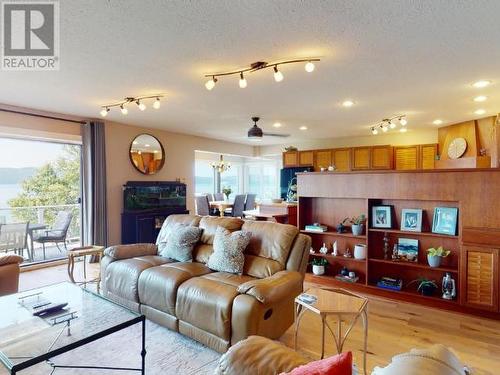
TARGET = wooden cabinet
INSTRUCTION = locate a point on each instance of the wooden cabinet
(428, 155)
(290, 159)
(480, 279)
(381, 157)
(341, 158)
(323, 159)
(406, 157)
(306, 158)
(361, 158)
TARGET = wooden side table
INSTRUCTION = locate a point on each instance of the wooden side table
(83, 252)
(341, 303)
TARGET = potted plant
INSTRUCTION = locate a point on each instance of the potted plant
(319, 265)
(357, 224)
(340, 226)
(227, 192)
(426, 287)
(434, 256)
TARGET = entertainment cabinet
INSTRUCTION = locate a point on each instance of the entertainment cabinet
(329, 197)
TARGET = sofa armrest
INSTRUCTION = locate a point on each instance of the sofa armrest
(130, 251)
(274, 288)
(258, 355)
(10, 259)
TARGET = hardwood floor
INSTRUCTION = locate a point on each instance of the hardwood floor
(393, 327)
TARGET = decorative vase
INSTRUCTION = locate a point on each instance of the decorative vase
(434, 261)
(318, 270)
(357, 229)
(344, 271)
(340, 228)
(360, 251)
(428, 290)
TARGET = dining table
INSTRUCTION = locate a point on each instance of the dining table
(221, 206)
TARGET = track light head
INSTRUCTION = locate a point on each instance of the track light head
(157, 104)
(392, 124)
(141, 105)
(123, 109)
(278, 76)
(403, 121)
(384, 128)
(309, 67)
(243, 81)
(104, 112)
(210, 84)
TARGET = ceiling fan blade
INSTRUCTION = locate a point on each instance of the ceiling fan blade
(276, 135)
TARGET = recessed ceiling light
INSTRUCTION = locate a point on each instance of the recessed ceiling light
(481, 84)
(480, 112)
(347, 103)
(403, 130)
(277, 125)
(437, 122)
(303, 128)
(480, 98)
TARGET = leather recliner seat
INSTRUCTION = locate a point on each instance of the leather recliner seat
(217, 309)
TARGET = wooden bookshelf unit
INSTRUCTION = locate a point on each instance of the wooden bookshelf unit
(329, 197)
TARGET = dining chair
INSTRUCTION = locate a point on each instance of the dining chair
(210, 197)
(218, 196)
(250, 202)
(202, 205)
(57, 234)
(14, 237)
(238, 205)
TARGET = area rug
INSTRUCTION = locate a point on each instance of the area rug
(168, 353)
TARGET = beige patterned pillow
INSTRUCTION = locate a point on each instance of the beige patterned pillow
(228, 251)
(180, 242)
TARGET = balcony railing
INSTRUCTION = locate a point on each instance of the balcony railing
(45, 215)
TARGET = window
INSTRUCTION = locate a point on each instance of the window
(231, 178)
(262, 178)
(203, 177)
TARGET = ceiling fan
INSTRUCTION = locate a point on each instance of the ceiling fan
(255, 133)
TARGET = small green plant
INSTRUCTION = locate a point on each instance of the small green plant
(424, 283)
(355, 220)
(319, 262)
(227, 191)
(439, 252)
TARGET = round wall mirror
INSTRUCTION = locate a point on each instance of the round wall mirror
(147, 154)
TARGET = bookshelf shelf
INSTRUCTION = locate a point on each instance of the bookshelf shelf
(414, 265)
(338, 258)
(333, 234)
(408, 233)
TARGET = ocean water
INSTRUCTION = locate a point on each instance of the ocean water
(7, 192)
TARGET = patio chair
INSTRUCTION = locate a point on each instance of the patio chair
(14, 237)
(57, 234)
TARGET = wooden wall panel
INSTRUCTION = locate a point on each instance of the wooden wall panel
(342, 159)
(381, 157)
(361, 158)
(406, 157)
(428, 155)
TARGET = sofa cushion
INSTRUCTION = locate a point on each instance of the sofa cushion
(228, 251)
(158, 285)
(434, 360)
(209, 225)
(202, 252)
(206, 304)
(121, 277)
(260, 267)
(271, 241)
(340, 364)
(180, 243)
(228, 278)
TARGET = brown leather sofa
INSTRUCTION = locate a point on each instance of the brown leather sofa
(9, 273)
(215, 308)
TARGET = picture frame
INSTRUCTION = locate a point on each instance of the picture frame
(408, 249)
(411, 219)
(382, 217)
(445, 220)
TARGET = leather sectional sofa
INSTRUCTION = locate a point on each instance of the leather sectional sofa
(9, 273)
(217, 309)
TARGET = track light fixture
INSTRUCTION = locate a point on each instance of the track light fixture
(259, 65)
(139, 100)
(390, 123)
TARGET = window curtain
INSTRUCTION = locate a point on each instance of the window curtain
(94, 202)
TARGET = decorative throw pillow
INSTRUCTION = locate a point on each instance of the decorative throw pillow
(340, 364)
(228, 251)
(180, 242)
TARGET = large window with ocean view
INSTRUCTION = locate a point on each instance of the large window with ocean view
(39, 198)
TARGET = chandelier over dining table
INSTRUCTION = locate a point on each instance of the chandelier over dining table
(221, 166)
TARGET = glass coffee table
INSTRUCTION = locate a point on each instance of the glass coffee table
(26, 340)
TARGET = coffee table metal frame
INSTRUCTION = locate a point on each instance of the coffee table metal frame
(301, 307)
(47, 357)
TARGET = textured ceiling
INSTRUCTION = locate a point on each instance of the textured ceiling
(414, 57)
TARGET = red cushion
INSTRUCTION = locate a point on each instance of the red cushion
(340, 364)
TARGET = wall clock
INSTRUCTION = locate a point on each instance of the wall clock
(457, 148)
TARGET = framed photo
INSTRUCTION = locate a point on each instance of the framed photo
(445, 220)
(382, 217)
(408, 249)
(411, 220)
